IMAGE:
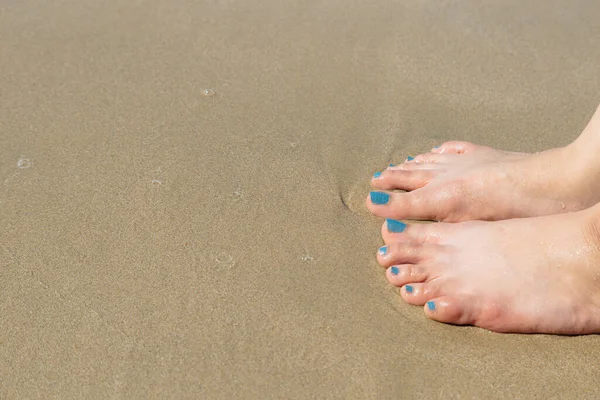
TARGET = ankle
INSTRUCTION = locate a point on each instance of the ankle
(592, 225)
(587, 145)
(581, 165)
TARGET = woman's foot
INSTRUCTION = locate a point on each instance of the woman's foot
(460, 181)
(529, 275)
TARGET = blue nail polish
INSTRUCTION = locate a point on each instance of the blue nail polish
(436, 147)
(409, 158)
(395, 270)
(391, 165)
(395, 226)
(376, 174)
(431, 305)
(383, 250)
(379, 197)
(409, 289)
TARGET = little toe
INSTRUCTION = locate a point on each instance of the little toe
(419, 293)
(400, 275)
(450, 310)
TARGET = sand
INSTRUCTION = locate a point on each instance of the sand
(183, 183)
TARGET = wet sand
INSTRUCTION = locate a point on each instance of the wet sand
(161, 241)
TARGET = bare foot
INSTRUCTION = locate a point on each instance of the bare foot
(529, 275)
(460, 181)
(449, 152)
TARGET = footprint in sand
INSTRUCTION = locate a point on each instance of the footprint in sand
(354, 198)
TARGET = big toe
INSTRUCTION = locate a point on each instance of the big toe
(422, 204)
(397, 231)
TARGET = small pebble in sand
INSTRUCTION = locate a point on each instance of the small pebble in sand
(307, 258)
(208, 92)
(238, 194)
(24, 163)
(157, 181)
(224, 259)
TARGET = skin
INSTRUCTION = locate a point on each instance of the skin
(532, 267)
(529, 275)
(461, 181)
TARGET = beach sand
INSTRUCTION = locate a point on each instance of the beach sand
(182, 202)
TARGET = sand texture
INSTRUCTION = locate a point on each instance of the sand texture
(182, 190)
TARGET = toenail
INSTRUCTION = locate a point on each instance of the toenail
(431, 305)
(410, 158)
(379, 197)
(409, 289)
(436, 147)
(383, 250)
(376, 174)
(391, 165)
(395, 226)
(395, 270)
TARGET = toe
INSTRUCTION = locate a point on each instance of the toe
(431, 158)
(406, 253)
(396, 231)
(413, 166)
(419, 293)
(400, 275)
(450, 310)
(456, 147)
(403, 179)
(379, 202)
(392, 228)
(426, 203)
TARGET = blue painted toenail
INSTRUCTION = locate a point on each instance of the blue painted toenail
(376, 174)
(383, 250)
(391, 165)
(395, 226)
(380, 197)
(395, 270)
(409, 289)
(409, 158)
(431, 305)
(436, 147)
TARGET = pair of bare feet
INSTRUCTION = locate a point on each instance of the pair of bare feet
(519, 246)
